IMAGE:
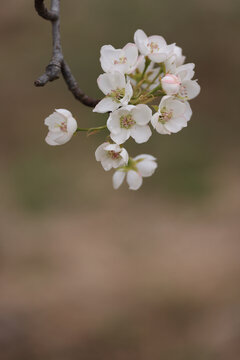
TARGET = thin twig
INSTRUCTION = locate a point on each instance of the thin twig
(57, 63)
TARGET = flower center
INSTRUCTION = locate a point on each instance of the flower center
(63, 126)
(121, 60)
(114, 155)
(165, 116)
(127, 122)
(117, 94)
(153, 47)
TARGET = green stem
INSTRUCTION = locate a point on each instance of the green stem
(147, 63)
(92, 129)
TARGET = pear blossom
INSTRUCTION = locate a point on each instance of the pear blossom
(155, 47)
(141, 166)
(61, 125)
(118, 92)
(129, 121)
(172, 115)
(180, 83)
(123, 60)
(111, 156)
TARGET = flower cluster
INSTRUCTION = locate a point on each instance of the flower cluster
(142, 73)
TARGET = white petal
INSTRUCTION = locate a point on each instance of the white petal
(113, 122)
(128, 94)
(131, 52)
(144, 157)
(159, 57)
(134, 180)
(111, 81)
(118, 178)
(185, 72)
(57, 138)
(146, 167)
(106, 164)
(124, 155)
(189, 89)
(71, 125)
(142, 114)
(112, 147)
(54, 119)
(188, 112)
(106, 104)
(50, 140)
(177, 107)
(141, 40)
(100, 151)
(64, 112)
(141, 134)
(121, 136)
(154, 120)
(159, 40)
(161, 129)
(175, 125)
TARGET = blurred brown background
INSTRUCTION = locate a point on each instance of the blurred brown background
(90, 273)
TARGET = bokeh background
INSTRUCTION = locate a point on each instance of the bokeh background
(90, 273)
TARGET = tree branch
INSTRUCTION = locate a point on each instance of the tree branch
(57, 63)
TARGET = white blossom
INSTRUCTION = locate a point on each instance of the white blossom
(141, 166)
(123, 60)
(111, 156)
(180, 83)
(155, 47)
(117, 91)
(61, 125)
(130, 121)
(172, 115)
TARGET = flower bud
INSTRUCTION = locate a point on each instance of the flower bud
(170, 84)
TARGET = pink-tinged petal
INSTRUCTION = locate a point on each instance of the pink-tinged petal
(141, 40)
(118, 178)
(105, 105)
(120, 137)
(142, 114)
(134, 180)
(189, 89)
(146, 167)
(175, 125)
(141, 134)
